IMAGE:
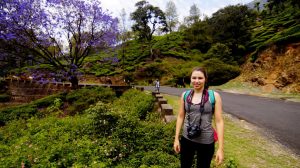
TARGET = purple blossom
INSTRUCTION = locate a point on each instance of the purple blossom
(54, 29)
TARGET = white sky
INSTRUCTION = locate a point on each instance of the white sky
(207, 7)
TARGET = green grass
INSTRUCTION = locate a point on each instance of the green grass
(246, 147)
(174, 102)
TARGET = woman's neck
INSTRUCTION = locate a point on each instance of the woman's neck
(199, 90)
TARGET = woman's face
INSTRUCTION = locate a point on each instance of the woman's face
(198, 80)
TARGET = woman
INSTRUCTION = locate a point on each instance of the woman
(195, 114)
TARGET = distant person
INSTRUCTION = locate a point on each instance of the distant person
(157, 85)
(197, 108)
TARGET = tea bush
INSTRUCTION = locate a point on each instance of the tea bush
(115, 134)
(138, 103)
(24, 112)
(220, 72)
(81, 99)
(47, 142)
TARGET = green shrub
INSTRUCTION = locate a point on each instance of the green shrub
(219, 72)
(138, 103)
(18, 112)
(221, 52)
(81, 99)
(104, 121)
(160, 159)
(105, 135)
(49, 142)
(99, 93)
(47, 101)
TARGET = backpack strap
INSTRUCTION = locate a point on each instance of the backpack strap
(186, 94)
(211, 98)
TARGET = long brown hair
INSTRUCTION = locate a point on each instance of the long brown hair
(201, 69)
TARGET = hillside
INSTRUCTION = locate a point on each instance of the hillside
(260, 47)
(276, 68)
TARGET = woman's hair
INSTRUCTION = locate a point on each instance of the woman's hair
(201, 69)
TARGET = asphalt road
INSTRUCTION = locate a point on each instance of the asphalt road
(279, 118)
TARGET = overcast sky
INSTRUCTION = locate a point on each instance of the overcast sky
(207, 7)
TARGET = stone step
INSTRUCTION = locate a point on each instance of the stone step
(166, 109)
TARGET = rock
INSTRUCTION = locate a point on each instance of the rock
(254, 79)
(261, 81)
(255, 65)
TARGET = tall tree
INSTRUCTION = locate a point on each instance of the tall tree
(194, 15)
(171, 15)
(256, 5)
(59, 33)
(232, 27)
(148, 19)
(123, 33)
(198, 35)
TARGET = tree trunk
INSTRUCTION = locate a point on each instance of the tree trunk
(152, 56)
(74, 82)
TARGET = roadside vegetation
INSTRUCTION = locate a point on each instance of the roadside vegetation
(107, 132)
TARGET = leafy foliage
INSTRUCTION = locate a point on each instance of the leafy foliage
(78, 101)
(232, 27)
(104, 135)
(221, 52)
(138, 104)
(219, 72)
(280, 26)
(147, 20)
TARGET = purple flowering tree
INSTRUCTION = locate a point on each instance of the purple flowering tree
(56, 32)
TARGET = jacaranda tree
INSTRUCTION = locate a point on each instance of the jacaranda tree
(56, 32)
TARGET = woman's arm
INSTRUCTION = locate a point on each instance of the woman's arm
(179, 122)
(220, 127)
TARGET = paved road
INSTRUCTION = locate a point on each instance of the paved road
(278, 117)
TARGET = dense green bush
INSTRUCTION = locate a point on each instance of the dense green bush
(103, 120)
(221, 52)
(81, 99)
(97, 93)
(23, 112)
(28, 110)
(138, 103)
(47, 101)
(49, 142)
(219, 72)
(78, 101)
(104, 135)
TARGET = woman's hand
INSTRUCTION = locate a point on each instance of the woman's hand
(219, 156)
(176, 146)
